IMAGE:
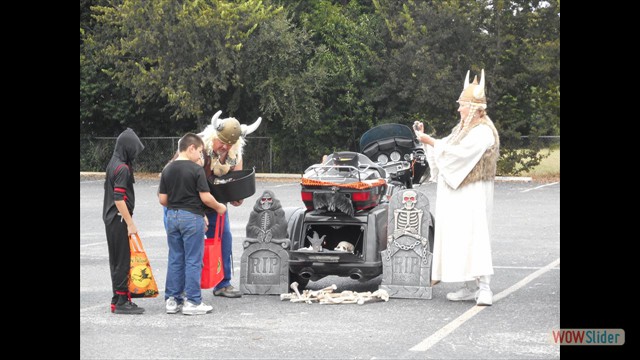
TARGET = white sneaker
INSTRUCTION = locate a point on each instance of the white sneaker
(463, 294)
(172, 305)
(484, 298)
(190, 308)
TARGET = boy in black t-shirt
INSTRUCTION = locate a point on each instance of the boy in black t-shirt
(117, 212)
(184, 191)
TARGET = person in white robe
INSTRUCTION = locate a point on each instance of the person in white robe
(464, 165)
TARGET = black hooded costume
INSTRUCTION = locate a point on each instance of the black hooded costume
(118, 185)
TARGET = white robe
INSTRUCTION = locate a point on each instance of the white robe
(462, 247)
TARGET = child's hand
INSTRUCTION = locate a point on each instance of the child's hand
(221, 209)
(132, 229)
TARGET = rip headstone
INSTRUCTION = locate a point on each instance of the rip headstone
(264, 265)
(406, 263)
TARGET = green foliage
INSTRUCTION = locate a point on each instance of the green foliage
(285, 87)
(319, 72)
(348, 47)
(184, 52)
(94, 155)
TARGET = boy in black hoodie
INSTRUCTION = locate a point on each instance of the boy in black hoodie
(117, 212)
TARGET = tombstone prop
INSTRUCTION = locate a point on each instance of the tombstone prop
(264, 265)
(406, 263)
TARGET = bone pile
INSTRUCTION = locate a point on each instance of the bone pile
(327, 296)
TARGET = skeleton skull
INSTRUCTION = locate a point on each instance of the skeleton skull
(266, 201)
(409, 199)
(345, 246)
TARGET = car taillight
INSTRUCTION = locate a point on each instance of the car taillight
(361, 196)
(307, 196)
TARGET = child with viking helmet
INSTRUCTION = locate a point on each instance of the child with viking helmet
(224, 140)
(464, 166)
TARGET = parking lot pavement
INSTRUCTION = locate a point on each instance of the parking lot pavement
(526, 252)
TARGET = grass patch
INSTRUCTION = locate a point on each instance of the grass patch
(549, 167)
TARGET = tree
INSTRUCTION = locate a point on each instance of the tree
(319, 72)
(106, 107)
(526, 57)
(348, 46)
(431, 46)
(185, 52)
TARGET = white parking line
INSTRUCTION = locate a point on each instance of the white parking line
(541, 186)
(281, 185)
(427, 343)
(521, 267)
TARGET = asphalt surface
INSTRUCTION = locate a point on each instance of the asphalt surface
(526, 286)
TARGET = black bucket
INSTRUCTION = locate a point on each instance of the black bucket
(242, 185)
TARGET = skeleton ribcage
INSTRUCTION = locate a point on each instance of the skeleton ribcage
(408, 219)
(266, 219)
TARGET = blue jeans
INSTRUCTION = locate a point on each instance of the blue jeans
(164, 217)
(227, 256)
(185, 237)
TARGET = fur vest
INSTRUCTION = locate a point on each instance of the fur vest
(485, 169)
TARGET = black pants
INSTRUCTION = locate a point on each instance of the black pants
(119, 254)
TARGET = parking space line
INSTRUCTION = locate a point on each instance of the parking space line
(427, 343)
(289, 184)
(521, 267)
(539, 187)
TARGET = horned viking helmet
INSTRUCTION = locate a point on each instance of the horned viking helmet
(474, 92)
(229, 130)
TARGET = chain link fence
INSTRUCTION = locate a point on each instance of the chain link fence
(95, 153)
(258, 152)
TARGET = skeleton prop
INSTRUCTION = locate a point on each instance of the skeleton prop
(326, 296)
(408, 222)
(267, 222)
(316, 241)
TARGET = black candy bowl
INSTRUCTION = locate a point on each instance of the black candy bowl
(235, 185)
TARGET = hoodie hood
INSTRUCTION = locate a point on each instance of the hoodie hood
(128, 146)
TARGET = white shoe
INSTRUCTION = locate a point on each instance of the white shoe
(463, 294)
(484, 297)
(467, 292)
(190, 308)
(172, 305)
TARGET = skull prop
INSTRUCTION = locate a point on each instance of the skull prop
(266, 201)
(409, 199)
(345, 246)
